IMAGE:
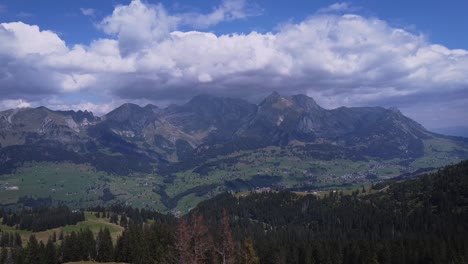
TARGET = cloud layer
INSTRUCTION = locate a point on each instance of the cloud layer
(340, 59)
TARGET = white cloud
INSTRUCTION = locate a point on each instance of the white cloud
(29, 40)
(18, 103)
(336, 7)
(138, 25)
(229, 10)
(339, 59)
(88, 11)
(74, 82)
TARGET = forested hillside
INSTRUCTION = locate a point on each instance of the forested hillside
(424, 220)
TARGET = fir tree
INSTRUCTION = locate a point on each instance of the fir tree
(104, 246)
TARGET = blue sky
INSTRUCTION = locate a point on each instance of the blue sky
(95, 55)
(444, 22)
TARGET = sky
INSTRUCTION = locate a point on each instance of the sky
(95, 55)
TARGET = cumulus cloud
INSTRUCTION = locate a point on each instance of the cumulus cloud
(137, 25)
(29, 40)
(340, 59)
(140, 25)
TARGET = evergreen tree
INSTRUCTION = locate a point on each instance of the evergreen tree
(51, 256)
(123, 221)
(42, 250)
(88, 244)
(71, 248)
(9, 258)
(104, 246)
(3, 254)
(32, 254)
(18, 240)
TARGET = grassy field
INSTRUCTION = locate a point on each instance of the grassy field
(78, 186)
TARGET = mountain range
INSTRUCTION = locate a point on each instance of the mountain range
(209, 136)
(207, 120)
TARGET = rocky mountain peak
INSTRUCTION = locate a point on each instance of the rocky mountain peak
(299, 103)
(305, 102)
(126, 112)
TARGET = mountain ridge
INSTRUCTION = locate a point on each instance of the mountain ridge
(208, 126)
(211, 119)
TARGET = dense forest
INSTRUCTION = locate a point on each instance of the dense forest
(42, 219)
(423, 220)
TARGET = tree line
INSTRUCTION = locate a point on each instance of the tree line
(42, 218)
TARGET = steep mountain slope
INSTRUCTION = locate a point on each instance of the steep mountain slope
(211, 119)
(374, 131)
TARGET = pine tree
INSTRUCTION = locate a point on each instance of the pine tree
(3, 254)
(88, 244)
(9, 258)
(71, 248)
(42, 256)
(104, 247)
(32, 250)
(18, 255)
(51, 252)
(123, 221)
